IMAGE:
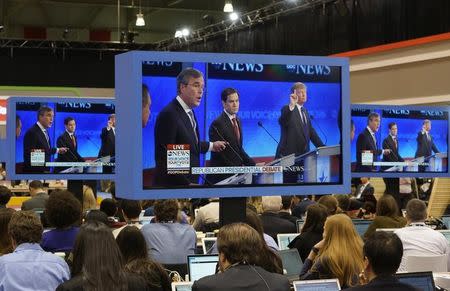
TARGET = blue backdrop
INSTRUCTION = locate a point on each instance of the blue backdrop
(259, 101)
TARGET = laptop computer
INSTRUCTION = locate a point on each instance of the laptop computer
(182, 286)
(446, 220)
(208, 243)
(200, 266)
(299, 224)
(446, 233)
(421, 280)
(361, 225)
(317, 285)
(292, 263)
(284, 239)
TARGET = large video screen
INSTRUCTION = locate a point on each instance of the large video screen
(60, 136)
(223, 124)
(394, 141)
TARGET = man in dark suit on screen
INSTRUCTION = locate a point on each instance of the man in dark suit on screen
(37, 142)
(108, 138)
(176, 124)
(228, 127)
(425, 143)
(296, 129)
(367, 142)
(70, 141)
(391, 143)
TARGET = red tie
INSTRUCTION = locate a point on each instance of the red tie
(236, 130)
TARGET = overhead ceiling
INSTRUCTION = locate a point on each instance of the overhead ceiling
(78, 17)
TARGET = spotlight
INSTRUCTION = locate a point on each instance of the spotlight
(178, 34)
(234, 16)
(140, 19)
(228, 7)
(185, 32)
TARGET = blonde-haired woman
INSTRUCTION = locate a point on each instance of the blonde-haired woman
(338, 255)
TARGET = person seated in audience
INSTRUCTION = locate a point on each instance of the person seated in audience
(367, 211)
(131, 210)
(387, 215)
(272, 262)
(272, 223)
(418, 239)
(343, 202)
(207, 217)
(89, 201)
(134, 251)
(98, 263)
(312, 230)
(168, 241)
(96, 215)
(63, 211)
(5, 239)
(38, 196)
(240, 263)
(109, 206)
(285, 211)
(299, 208)
(365, 191)
(29, 267)
(5, 196)
(338, 255)
(330, 202)
(383, 252)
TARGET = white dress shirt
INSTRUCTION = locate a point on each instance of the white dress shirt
(420, 240)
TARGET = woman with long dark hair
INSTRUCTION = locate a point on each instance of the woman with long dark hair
(98, 264)
(312, 230)
(134, 251)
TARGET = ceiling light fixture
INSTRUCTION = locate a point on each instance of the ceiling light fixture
(228, 7)
(140, 17)
(234, 16)
(178, 34)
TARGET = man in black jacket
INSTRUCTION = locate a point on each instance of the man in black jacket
(367, 143)
(425, 143)
(228, 127)
(383, 253)
(37, 146)
(296, 129)
(241, 269)
(70, 141)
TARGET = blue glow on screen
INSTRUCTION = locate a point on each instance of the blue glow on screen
(407, 134)
(88, 129)
(259, 101)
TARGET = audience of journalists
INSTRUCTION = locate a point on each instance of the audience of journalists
(56, 242)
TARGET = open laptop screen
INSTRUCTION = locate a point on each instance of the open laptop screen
(284, 239)
(317, 285)
(421, 280)
(361, 225)
(292, 263)
(201, 266)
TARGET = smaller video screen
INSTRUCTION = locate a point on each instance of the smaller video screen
(56, 136)
(392, 141)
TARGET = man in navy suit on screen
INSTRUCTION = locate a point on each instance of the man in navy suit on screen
(70, 141)
(367, 143)
(228, 127)
(176, 124)
(37, 143)
(425, 143)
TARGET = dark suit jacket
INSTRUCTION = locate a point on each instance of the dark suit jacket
(234, 154)
(384, 283)
(293, 139)
(134, 283)
(365, 142)
(108, 147)
(367, 194)
(37, 201)
(425, 147)
(35, 139)
(72, 154)
(273, 224)
(243, 278)
(173, 126)
(394, 155)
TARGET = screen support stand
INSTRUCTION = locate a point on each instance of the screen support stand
(76, 187)
(232, 210)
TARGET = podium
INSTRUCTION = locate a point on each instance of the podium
(321, 165)
(436, 161)
(236, 179)
(89, 169)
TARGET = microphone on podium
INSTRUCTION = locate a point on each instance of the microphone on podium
(260, 124)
